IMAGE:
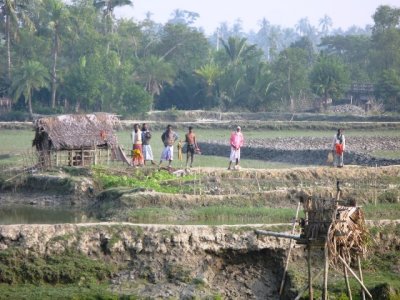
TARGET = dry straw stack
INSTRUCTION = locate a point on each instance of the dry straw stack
(347, 235)
(342, 227)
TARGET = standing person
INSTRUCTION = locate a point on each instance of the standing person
(338, 147)
(168, 137)
(236, 142)
(137, 151)
(147, 151)
(191, 144)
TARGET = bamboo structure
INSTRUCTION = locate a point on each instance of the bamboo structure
(337, 226)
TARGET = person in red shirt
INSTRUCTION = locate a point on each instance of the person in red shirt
(236, 142)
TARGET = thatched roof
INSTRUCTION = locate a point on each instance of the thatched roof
(68, 132)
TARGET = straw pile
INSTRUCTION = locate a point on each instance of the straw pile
(342, 227)
(347, 235)
(72, 132)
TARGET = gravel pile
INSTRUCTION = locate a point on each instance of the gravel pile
(347, 109)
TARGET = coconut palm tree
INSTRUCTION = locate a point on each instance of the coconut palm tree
(56, 16)
(210, 73)
(303, 26)
(13, 12)
(325, 23)
(154, 72)
(30, 76)
(237, 49)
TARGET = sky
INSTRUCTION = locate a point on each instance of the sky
(344, 13)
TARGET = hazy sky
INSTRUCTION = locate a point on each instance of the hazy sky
(344, 13)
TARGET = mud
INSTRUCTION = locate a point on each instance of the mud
(163, 261)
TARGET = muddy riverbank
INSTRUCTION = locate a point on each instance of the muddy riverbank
(185, 262)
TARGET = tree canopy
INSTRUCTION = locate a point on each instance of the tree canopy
(76, 56)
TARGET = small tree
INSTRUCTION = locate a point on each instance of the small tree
(388, 88)
(328, 77)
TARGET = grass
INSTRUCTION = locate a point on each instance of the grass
(386, 154)
(13, 143)
(382, 211)
(213, 215)
(124, 136)
(15, 140)
(51, 292)
(18, 267)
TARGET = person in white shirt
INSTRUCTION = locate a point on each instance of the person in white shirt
(338, 148)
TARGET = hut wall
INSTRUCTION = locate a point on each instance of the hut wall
(79, 157)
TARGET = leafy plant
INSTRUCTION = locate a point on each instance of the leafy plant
(159, 181)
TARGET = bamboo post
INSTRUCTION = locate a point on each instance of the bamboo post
(326, 270)
(194, 184)
(375, 193)
(302, 291)
(258, 184)
(355, 276)
(290, 249)
(94, 154)
(199, 183)
(310, 289)
(346, 279)
(361, 277)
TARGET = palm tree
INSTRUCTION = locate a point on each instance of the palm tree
(210, 74)
(13, 11)
(303, 26)
(31, 76)
(237, 49)
(57, 15)
(154, 72)
(325, 23)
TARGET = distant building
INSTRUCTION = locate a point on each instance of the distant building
(360, 93)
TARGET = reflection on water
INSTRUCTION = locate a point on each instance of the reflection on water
(23, 214)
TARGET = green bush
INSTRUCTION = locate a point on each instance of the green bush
(70, 268)
(391, 196)
(16, 115)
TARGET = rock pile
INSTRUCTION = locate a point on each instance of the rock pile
(347, 109)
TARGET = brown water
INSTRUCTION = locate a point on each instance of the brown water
(27, 214)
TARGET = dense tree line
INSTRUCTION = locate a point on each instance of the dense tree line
(58, 57)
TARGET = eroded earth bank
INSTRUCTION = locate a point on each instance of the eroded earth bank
(189, 261)
(167, 261)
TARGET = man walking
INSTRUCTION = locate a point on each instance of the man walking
(236, 142)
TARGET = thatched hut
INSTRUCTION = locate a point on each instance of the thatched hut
(75, 139)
